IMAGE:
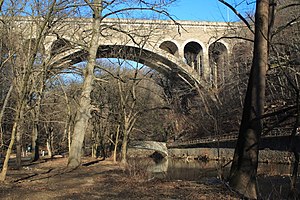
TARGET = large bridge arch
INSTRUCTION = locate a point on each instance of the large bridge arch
(157, 59)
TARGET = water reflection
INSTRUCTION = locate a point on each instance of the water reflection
(194, 170)
(191, 170)
(273, 179)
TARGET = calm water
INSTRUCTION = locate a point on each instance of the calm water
(193, 170)
(273, 179)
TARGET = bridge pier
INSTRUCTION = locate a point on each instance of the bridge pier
(206, 67)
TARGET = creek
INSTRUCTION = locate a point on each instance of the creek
(273, 179)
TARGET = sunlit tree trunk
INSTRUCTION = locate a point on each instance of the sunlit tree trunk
(8, 152)
(124, 143)
(83, 113)
(128, 126)
(128, 114)
(244, 167)
(116, 144)
(49, 142)
(19, 142)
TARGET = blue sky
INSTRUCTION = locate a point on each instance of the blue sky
(209, 10)
(196, 10)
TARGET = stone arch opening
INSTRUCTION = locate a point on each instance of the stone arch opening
(60, 46)
(218, 59)
(193, 55)
(169, 47)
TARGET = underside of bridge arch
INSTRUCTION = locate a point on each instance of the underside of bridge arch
(169, 47)
(142, 56)
(60, 45)
(193, 55)
(218, 61)
(169, 65)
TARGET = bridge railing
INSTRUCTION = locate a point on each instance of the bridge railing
(229, 137)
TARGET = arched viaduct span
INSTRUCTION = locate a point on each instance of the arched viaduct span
(191, 50)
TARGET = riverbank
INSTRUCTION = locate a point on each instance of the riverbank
(226, 154)
(102, 180)
(273, 177)
(223, 154)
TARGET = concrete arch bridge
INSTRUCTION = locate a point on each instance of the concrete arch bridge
(192, 52)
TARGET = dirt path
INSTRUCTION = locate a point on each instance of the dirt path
(101, 180)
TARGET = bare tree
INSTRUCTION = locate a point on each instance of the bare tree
(83, 115)
(244, 167)
(26, 63)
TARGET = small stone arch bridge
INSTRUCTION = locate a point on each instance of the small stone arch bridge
(192, 51)
(160, 147)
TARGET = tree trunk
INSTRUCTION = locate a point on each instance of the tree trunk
(94, 145)
(19, 109)
(124, 148)
(8, 152)
(243, 171)
(36, 116)
(83, 116)
(34, 143)
(4, 106)
(116, 144)
(83, 113)
(128, 125)
(18, 148)
(49, 148)
(19, 137)
(67, 127)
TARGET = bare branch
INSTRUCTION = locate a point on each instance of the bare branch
(238, 14)
(1, 4)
